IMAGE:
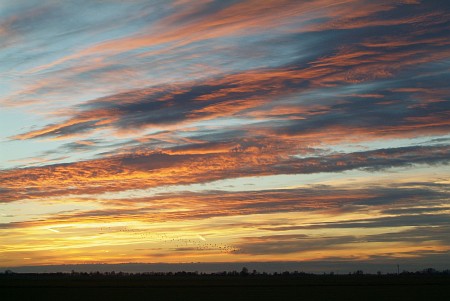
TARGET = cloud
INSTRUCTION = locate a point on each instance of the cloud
(397, 221)
(344, 58)
(138, 98)
(281, 244)
(425, 237)
(145, 170)
(259, 94)
(313, 222)
(397, 206)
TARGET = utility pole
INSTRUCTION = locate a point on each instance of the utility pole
(398, 269)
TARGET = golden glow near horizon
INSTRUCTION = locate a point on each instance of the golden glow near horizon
(205, 131)
(302, 223)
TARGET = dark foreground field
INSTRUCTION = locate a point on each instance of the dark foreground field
(224, 287)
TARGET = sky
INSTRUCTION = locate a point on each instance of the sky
(224, 131)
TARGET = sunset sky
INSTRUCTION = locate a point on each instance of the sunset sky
(224, 131)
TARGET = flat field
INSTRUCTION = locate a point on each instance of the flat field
(215, 287)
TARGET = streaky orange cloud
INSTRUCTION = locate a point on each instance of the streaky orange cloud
(153, 169)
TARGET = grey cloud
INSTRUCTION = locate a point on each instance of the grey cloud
(395, 221)
(278, 245)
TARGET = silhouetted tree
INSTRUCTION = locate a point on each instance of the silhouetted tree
(244, 271)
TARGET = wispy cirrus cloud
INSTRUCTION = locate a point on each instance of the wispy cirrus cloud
(364, 65)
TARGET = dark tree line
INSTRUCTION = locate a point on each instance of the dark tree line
(243, 273)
